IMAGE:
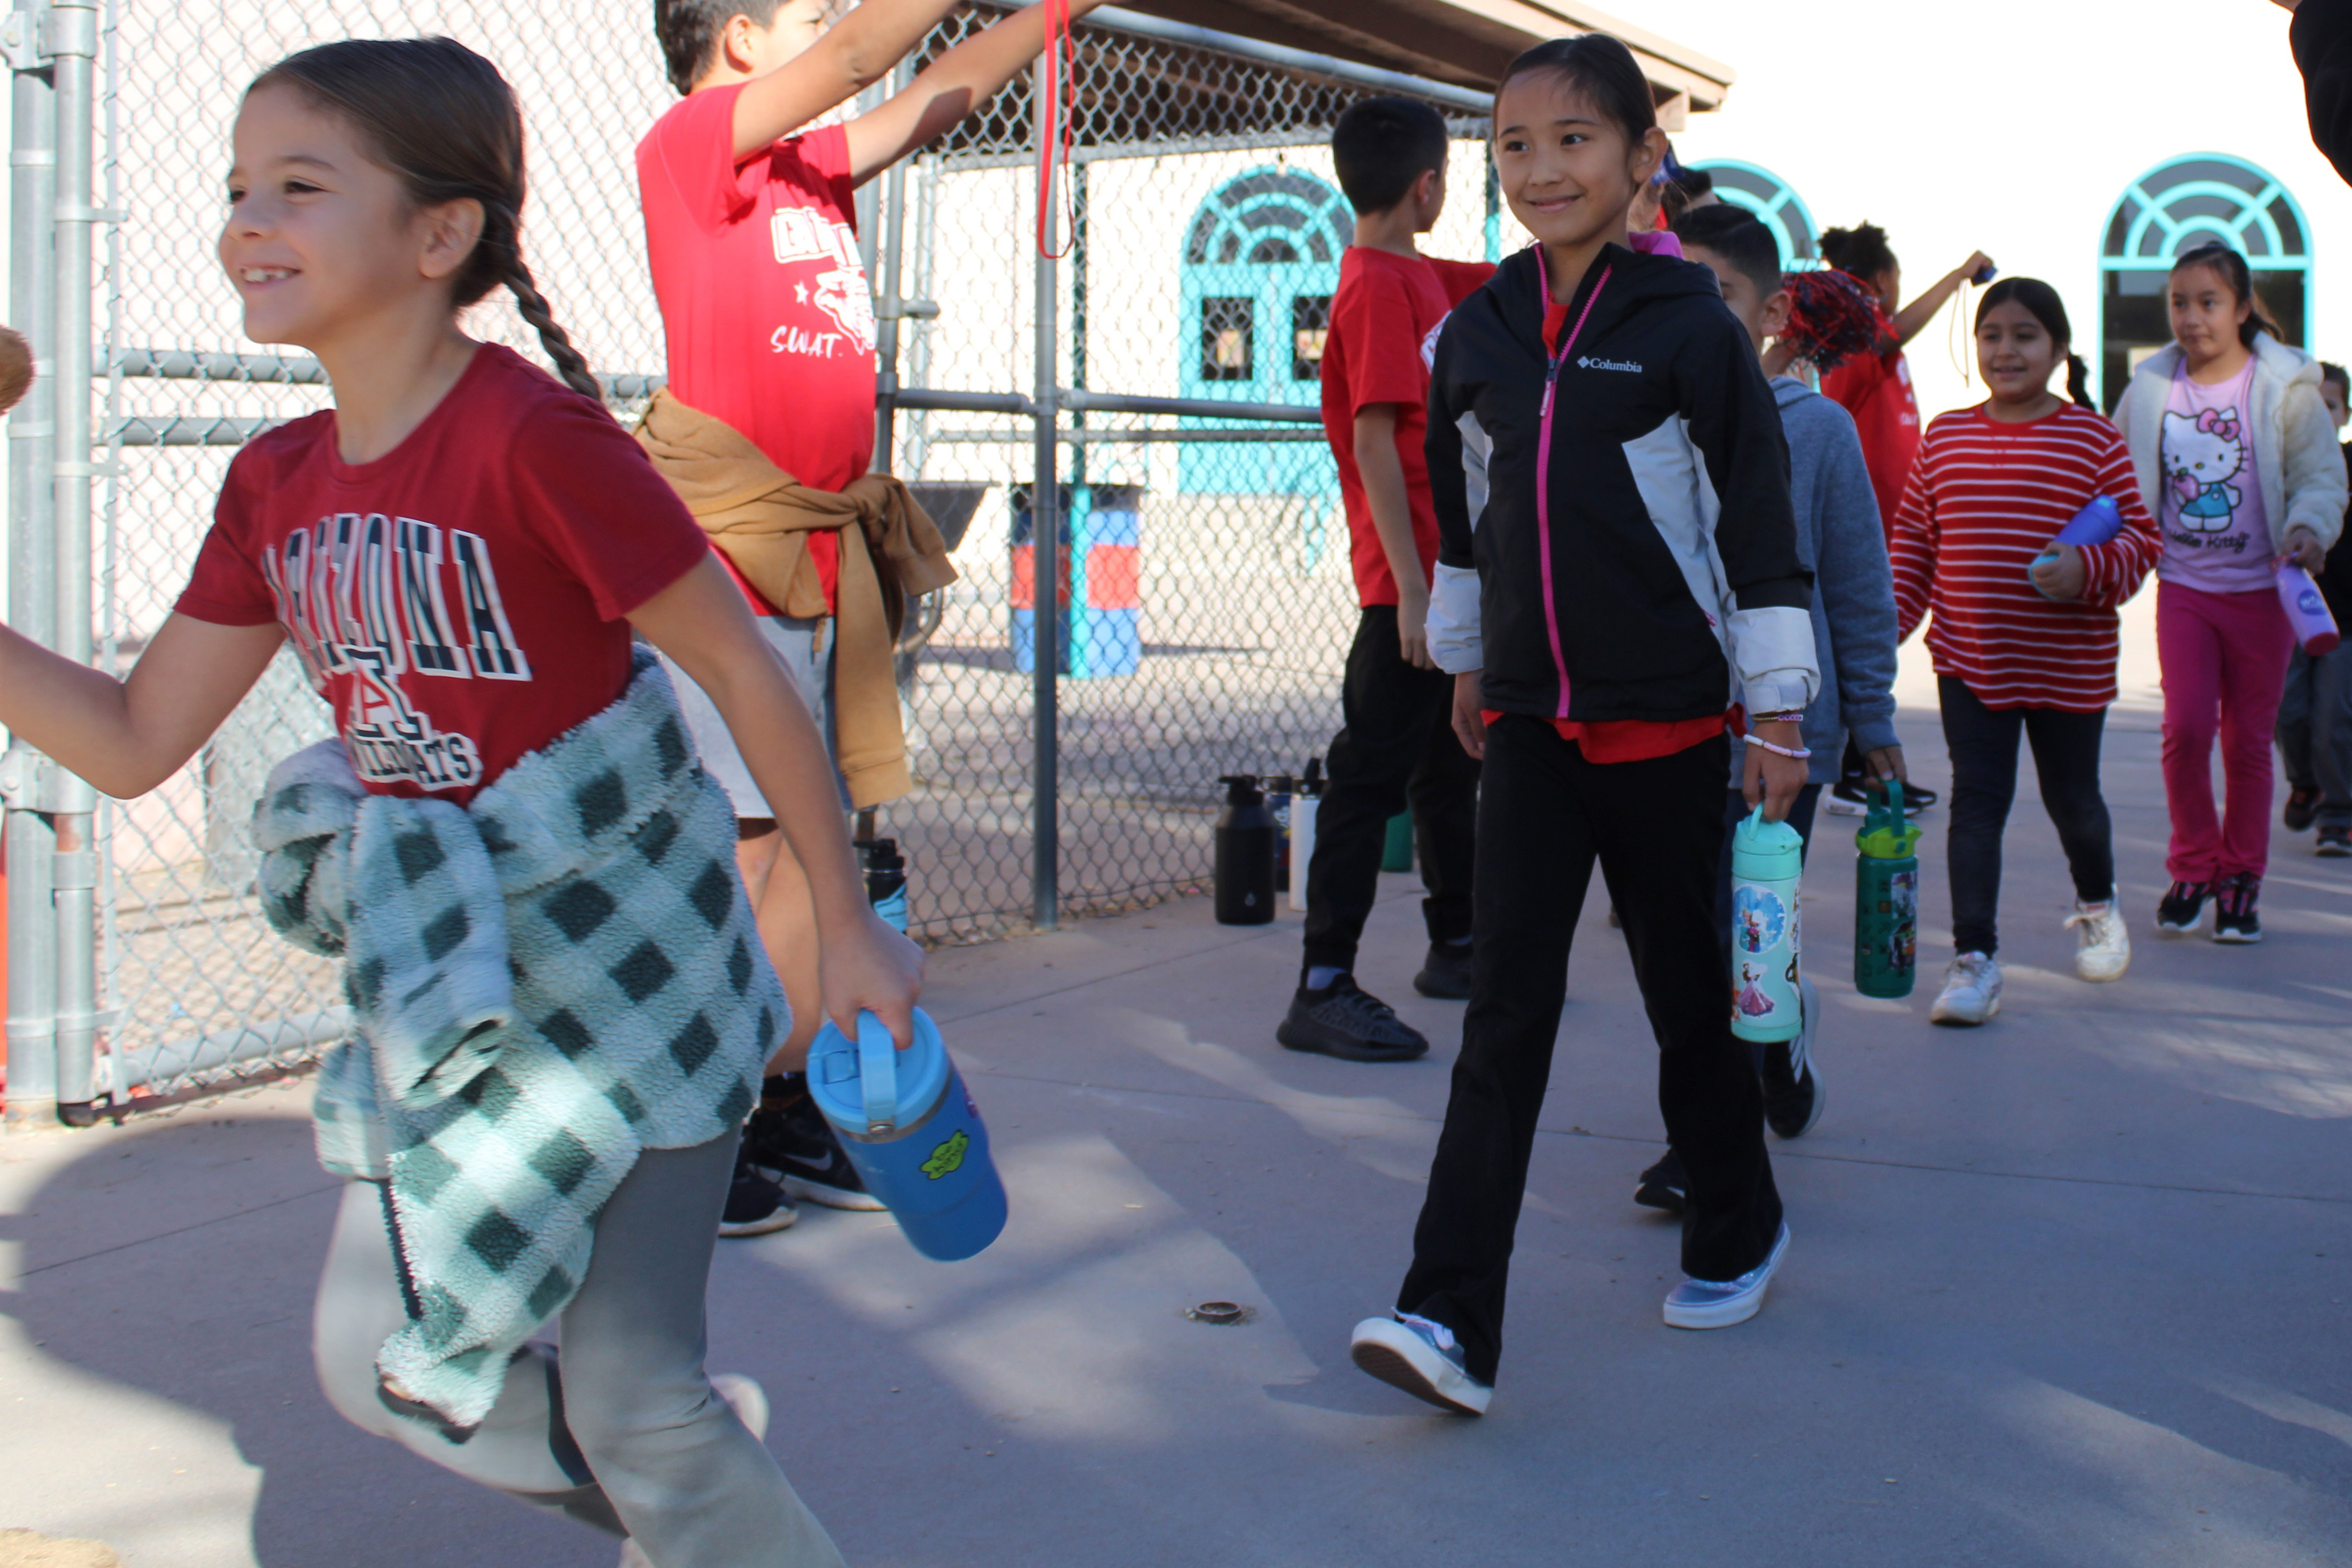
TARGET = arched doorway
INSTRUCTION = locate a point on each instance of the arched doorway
(2179, 205)
(1261, 262)
(1776, 205)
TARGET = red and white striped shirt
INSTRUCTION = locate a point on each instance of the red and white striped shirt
(1984, 500)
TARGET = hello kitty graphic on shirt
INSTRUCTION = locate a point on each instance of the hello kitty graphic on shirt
(2200, 454)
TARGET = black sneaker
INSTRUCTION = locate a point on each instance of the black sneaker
(2302, 810)
(790, 1139)
(2183, 908)
(1445, 973)
(1793, 1099)
(1344, 1020)
(2335, 843)
(1917, 798)
(755, 1205)
(2234, 919)
(1662, 1185)
(1848, 798)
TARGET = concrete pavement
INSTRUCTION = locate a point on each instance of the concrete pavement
(2070, 1290)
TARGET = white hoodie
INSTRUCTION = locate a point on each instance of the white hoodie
(2295, 453)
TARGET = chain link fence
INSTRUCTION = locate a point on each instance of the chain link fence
(1206, 602)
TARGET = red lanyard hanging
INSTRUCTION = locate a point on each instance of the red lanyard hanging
(1058, 130)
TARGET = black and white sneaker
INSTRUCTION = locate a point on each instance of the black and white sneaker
(790, 1139)
(2234, 916)
(1344, 1020)
(1793, 1099)
(1445, 975)
(1420, 1356)
(1661, 1186)
(2183, 908)
(755, 1203)
(1847, 797)
(2335, 843)
(2302, 810)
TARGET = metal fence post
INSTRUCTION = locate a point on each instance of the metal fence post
(73, 48)
(890, 302)
(31, 840)
(1045, 533)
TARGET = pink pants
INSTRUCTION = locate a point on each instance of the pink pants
(2224, 657)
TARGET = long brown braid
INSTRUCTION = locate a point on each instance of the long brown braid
(443, 118)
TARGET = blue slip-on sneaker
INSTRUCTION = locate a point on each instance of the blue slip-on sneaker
(1719, 1304)
(1420, 1356)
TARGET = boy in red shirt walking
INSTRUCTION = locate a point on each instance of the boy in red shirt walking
(1397, 747)
(752, 233)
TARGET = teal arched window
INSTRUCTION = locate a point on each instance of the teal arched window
(1261, 261)
(2179, 205)
(1776, 205)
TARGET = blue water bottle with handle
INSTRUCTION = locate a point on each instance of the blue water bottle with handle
(910, 1128)
(1768, 861)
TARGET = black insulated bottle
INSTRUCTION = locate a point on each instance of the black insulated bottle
(1246, 832)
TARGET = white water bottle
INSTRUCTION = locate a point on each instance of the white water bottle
(1303, 806)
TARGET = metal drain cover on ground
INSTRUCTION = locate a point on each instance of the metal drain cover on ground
(1218, 1312)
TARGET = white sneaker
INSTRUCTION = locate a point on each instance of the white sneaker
(746, 1397)
(2103, 950)
(1971, 991)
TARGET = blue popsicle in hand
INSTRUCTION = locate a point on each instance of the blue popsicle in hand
(2098, 522)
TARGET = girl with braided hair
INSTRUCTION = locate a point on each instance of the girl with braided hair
(538, 1107)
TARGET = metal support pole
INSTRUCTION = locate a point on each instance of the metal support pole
(1078, 227)
(73, 45)
(890, 309)
(32, 571)
(1045, 517)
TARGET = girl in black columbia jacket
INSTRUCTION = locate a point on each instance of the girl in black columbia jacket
(1617, 545)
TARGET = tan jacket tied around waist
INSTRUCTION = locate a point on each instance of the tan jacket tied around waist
(761, 517)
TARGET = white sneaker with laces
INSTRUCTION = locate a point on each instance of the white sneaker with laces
(2103, 944)
(1971, 991)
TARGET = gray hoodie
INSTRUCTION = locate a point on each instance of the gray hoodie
(1840, 540)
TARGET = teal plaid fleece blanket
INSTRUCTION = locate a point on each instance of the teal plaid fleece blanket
(542, 985)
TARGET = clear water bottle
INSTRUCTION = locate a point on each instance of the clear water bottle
(1767, 863)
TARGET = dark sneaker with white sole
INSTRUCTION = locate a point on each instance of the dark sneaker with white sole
(1445, 973)
(1662, 1185)
(2183, 908)
(1793, 1099)
(756, 1204)
(1347, 1021)
(790, 1139)
(2335, 843)
(2235, 919)
(1421, 1357)
(2302, 810)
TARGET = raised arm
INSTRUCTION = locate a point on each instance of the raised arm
(848, 59)
(127, 736)
(1913, 319)
(950, 87)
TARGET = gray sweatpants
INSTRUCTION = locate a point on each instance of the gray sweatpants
(2314, 731)
(629, 1438)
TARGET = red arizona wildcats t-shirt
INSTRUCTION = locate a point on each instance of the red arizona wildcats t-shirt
(459, 601)
(765, 305)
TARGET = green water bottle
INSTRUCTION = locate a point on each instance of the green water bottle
(1396, 846)
(1886, 897)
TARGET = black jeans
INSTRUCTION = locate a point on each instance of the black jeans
(1397, 748)
(1983, 744)
(1544, 816)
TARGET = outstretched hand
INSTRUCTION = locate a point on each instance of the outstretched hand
(870, 968)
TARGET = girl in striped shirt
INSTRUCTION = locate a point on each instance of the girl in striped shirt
(2021, 646)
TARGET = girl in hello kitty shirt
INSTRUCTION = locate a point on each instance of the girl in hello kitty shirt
(2236, 456)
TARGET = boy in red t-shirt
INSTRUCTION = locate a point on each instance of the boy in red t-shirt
(750, 231)
(1397, 747)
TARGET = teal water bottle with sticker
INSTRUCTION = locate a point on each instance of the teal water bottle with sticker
(1766, 865)
(910, 1128)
